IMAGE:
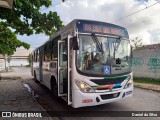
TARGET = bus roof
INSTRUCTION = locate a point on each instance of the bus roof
(90, 26)
(95, 26)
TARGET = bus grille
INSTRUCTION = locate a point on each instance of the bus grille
(106, 81)
(110, 96)
(116, 87)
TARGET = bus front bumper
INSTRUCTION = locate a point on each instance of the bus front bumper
(91, 99)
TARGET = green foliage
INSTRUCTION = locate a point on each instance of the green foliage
(9, 41)
(25, 17)
(136, 43)
(147, 80)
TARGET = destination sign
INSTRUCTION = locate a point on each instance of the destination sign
(101, 28)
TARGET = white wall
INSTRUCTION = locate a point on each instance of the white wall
(19, 62)
(146, 63)
(3, 64)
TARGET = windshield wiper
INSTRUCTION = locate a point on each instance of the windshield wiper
(95, 39)
(117, 43)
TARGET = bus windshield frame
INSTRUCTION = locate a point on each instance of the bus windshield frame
(112, 56)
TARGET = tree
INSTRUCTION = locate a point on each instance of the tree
(9, 41)
(136, 43)
(25, 17)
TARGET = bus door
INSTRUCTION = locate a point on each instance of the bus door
(64, 69)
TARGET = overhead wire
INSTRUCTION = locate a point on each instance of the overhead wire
(135, 12)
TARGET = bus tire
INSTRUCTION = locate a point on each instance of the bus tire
(35, 77)
(54, 87)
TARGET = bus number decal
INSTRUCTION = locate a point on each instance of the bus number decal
(87, 100)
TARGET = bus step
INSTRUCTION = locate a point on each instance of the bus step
(65, 98)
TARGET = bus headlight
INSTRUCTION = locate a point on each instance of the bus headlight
(84, 87)
(129, 83)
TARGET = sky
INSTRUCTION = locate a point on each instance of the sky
(144, 24)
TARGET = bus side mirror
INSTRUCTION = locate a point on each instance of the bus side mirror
(75, 43)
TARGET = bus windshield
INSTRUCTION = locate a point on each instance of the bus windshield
(103, 55)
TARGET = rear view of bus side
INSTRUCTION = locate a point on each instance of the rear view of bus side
(87, 63)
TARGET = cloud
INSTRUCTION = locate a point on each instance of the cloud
(143, 24)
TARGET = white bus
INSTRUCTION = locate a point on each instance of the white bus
(87, 63)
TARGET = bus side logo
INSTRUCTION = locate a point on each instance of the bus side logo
(111, 88)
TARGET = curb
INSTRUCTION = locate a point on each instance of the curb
(147, 86)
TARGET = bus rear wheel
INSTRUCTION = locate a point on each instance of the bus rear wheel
(54, 88)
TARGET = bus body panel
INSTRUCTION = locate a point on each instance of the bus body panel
(46, 74)
(89, 99)
(49, 72)
(81, 99)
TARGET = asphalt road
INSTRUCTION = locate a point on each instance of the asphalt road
(142, 100)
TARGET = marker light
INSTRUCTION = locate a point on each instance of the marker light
(129, 82)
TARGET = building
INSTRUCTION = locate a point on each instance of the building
(20, 57)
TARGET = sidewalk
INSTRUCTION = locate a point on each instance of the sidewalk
(14, 96)
(15, 74)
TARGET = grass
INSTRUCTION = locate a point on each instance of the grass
(147, 80)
